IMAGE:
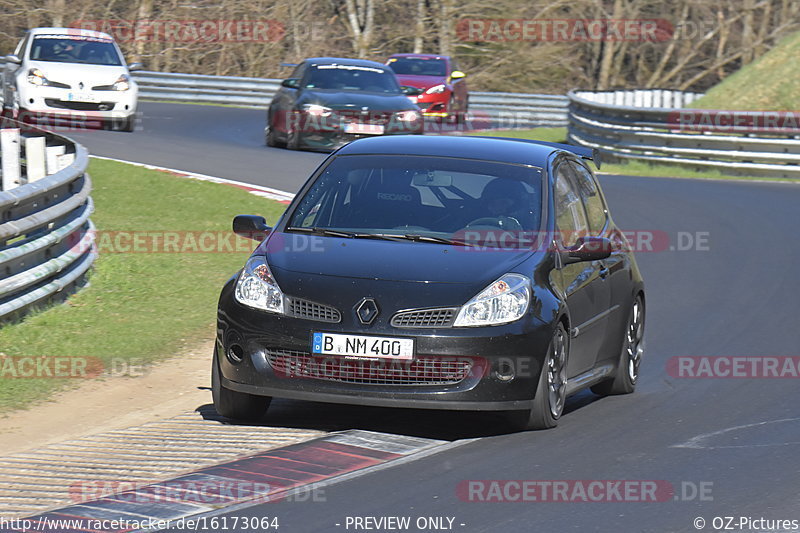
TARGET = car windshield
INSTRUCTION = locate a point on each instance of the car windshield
(351, 78)
(421, 197)
(74, 49)
(411, 66)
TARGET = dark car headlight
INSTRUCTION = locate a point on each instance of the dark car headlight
(504, 301)
(256, 287)
(407, 116)
(317, 110)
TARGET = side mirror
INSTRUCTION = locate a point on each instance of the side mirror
(410, 91)
(588, 249)
(250, 226)
(290, 83)
(133, 67)
(13, 58)
(457, 75)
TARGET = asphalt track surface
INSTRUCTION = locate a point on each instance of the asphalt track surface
(734, 295)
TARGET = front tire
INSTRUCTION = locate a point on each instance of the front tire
(293, 140)
(627, 373)
(129, 124)
(236, 405)
(551, 392)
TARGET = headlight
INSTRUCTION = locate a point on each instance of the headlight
(505, 300)
(123, 83)
(36, 77)
(257, 288)
(407, 116)
(436, 89)
(317, 110)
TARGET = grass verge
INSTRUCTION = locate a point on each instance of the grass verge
(139, 307)
(771, 83)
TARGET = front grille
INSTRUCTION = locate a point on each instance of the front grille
(421, 371)
(425, 318)
(305, 309)
(366, 117)
(79, 106)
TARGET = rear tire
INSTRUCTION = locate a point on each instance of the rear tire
(236, 405)
(548, 404)
(627, 373)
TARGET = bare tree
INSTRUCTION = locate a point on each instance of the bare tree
(361, 22)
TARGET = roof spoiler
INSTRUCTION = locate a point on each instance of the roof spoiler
(292, 65)
(591, 154)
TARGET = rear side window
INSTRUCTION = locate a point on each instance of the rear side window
(570, 215)
(590, 194)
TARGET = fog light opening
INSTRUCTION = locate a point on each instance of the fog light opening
(235, 353)
(31, 100)
(505, 371)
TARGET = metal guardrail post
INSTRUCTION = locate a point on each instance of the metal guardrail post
(46, 237)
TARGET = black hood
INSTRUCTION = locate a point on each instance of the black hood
(356, 100)
(388, 260)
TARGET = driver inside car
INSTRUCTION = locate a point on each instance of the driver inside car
(508, 203)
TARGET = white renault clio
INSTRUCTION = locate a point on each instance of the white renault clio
(70, 74)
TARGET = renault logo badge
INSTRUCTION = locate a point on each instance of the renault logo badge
(367, 310)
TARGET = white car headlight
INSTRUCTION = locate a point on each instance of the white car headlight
(317, 110)
(504, 301)
(436, 89)
(257, 288)
(123, 83)
(407, 116)
(36, 77)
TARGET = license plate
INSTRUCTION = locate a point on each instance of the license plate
(82, 97)
(362, 346)
(363, 129)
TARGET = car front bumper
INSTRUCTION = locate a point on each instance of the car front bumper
(72, 104)
(269, 355)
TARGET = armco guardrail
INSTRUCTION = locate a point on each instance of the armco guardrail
(645, 125)
(46, 237)
(516, 110)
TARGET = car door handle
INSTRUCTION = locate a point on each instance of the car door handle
(604, 272)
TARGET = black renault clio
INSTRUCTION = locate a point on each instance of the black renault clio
(435, 272)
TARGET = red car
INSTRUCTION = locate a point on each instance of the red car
(444, 90)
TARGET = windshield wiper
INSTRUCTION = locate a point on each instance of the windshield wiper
(415, 237)
(323, 231)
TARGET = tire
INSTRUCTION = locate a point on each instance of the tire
(236, 405)
(630, 357)
(452, 115)
(548, 404)
(269, 138)
(129, 124)
(293, 140)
